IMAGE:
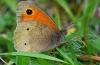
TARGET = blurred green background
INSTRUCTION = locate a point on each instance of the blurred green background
(84, 14)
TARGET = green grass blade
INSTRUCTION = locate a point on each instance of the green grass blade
(67, 9)
(11, 4)
(95, 45)
(66, 56)
(87, 14)
(33, 55)
(42, 61)
(89, 11)
(22, 60)
(86, 3)
(8, 42)
(58, 19)
(85, 19)
(73, 54)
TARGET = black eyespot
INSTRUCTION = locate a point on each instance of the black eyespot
(29, 11)
(24, 43)
(27, 28)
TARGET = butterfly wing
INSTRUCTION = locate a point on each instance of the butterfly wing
(32, 36)
(36, 15)
(35, 31)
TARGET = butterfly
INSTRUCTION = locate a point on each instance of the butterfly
(35, 31)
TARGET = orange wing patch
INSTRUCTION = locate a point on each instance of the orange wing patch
(39, 16)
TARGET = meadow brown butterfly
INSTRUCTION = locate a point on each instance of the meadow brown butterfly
(35, 31)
